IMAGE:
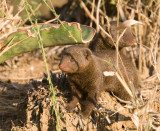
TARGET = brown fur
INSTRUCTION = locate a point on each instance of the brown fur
(85, 74)
(102, 41)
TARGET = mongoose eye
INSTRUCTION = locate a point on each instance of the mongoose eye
(71, 60)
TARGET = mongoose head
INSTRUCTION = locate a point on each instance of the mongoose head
(75, 59)
(126, 40)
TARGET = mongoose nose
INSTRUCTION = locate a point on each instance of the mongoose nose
(60, 66)
(134, 41)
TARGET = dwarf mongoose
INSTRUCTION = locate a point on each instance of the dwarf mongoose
(85, 75)
(102, 41)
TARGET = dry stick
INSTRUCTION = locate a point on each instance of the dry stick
(52, 20)
(104, 8)
(120, 73)
(31, 14)
(124, 67)
(158, 71)
(117, 42)
(6, 7)
(121, 12)
(140, 47)
(92, 12)
(117, 111)
(117, 51)
(5, 23)
(97, 15)
(1, 4)
(158, 8)
(117, 54)
(106, 33)
(144, 46)
(154, 58)
(125, 74)
(51, 3)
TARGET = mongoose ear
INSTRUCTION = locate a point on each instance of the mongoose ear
(87, 54)
(64, 49)
(105, 27)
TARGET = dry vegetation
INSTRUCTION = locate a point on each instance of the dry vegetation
(26, 104)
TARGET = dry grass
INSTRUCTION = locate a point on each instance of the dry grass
(146, 54)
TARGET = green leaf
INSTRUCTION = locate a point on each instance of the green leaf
(52, 35)
(112, 2)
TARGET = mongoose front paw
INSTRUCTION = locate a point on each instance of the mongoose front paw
(85, 114)
(70, 107)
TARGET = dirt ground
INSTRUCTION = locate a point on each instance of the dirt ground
(25, 102)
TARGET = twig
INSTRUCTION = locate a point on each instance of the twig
(121, 13)
(117, 42)
(124, 84)
(92, 12)
(97, 15)
(52, 20)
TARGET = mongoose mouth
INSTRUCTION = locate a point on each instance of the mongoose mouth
(133, 41)
(63, 68)
(66, 69)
